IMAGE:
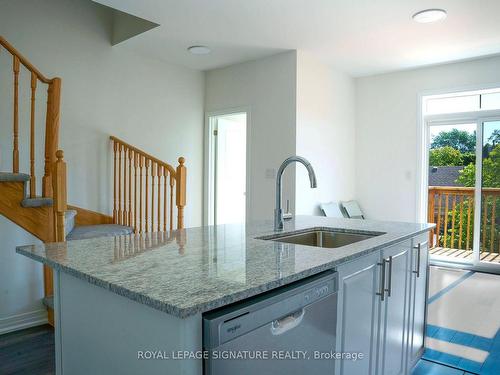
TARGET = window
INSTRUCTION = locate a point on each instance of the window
(462, 102)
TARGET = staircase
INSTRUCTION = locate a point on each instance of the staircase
(143, 186)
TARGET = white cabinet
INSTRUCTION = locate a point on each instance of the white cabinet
(418, 299)
(381, 310)
(358, 312)
(394, 311)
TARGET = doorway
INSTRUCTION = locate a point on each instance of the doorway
(462, 189)
(227, 161)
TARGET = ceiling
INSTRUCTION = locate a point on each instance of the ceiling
(360, 37)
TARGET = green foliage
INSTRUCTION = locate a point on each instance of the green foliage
(490, 172)
(494, 138)
(443, 156)
(460, 140)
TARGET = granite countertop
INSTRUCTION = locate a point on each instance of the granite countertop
(194, 270)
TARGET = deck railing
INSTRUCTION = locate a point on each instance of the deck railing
(452, 210)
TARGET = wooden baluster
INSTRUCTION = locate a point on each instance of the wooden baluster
(493, 218)
(438, 226)
(461, 221)
(51, 132)
(153, 178)
(485, 213)
(32, 136)
(165, 199)
(453, 212)
(431, 215)
(15, 153)
(141, 159)
(469, 210)
(115, 204)
(136, 164)
(172, 182)
(447, 199)
(160, 169)
(180, 191)
(120, 212)
(148, 162)
(125, 212)
(129, 219)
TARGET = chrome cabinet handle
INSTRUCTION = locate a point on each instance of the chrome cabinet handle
(388, 290)
(418, 247)
(382, 281)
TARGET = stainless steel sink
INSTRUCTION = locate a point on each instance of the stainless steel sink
(322, 238)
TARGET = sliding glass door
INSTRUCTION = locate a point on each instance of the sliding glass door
(463, 162)
(488, 217)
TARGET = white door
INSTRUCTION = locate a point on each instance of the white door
(394, 316)
(358, 314)
(227, 177)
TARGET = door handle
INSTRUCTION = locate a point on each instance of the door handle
(280, 326)
(418, 247)
(382, 280)
(388, 290)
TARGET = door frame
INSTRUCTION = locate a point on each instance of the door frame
(207, 159)
(475, 117)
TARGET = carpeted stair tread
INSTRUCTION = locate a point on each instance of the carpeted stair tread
(93, 231)
(37, 202)
(14, 177)
(69, 220)
(49, 301)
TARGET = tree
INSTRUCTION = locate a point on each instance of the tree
(443, 156)
(460, 140)
(494, 138)
(490, 172)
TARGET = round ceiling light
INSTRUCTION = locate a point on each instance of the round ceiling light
(199, 50)
(429, 15)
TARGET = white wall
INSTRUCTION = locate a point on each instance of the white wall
(267, 88)
(325, 134)
(386, 132)
(105, 91)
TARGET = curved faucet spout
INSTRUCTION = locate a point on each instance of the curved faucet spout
(278, 213)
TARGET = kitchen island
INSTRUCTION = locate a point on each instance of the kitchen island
(119, 301)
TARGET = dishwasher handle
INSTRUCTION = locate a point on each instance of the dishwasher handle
(287, 323)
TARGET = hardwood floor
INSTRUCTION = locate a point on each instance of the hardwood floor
(30, 351)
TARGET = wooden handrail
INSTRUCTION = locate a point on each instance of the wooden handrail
(141, 195)
(142, 153)
(24, 61)
(452, 209)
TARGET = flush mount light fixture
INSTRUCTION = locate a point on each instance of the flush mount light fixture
(199, 50)
(429, 15)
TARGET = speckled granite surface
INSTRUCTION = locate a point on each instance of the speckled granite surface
(198, 269)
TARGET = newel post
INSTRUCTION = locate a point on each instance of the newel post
(51, 133)
(180, 192)
(60, 196)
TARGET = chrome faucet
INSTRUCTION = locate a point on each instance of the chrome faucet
(278, 212)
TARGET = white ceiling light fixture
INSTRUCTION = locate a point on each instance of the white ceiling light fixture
(199, 50)
(429, 15)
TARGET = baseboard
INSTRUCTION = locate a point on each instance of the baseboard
(22, 321)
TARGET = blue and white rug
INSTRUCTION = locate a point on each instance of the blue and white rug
(463, 322)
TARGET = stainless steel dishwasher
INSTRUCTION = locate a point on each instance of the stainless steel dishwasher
(291, 330)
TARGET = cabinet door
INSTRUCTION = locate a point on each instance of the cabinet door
(358, 313)
(394, 312)
(420, 255)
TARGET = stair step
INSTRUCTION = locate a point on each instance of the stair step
(48, 302)
(37, 202)
(94, 231)
(13, 177)
(69, 220)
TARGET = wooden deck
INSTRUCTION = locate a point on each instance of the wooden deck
(464, 254)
